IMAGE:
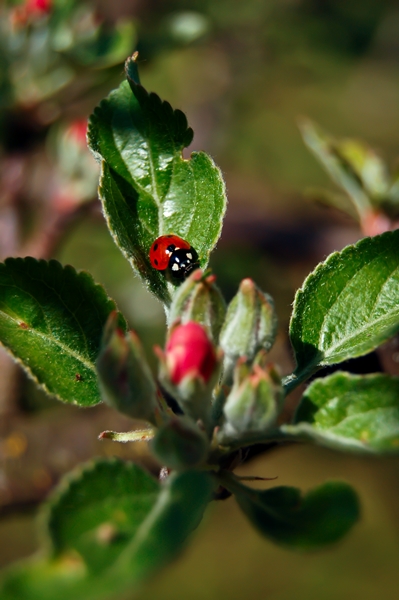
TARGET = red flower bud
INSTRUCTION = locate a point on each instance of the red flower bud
(38, 6)
(189, 351)
(23, 14)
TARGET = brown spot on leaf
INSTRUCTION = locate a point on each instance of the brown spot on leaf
(23, 325)
(106, 533)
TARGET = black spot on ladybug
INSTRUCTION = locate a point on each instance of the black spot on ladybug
(155, 261)
(156, 247)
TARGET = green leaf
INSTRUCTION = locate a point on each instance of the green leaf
(122, 210)
(163, 534)
(96, 519)
(350, 412)
(337, 165)
(323, 516)
(347, 306)
(51, 320)
(147, 188)
(326, 197)
(118, 519)
(370, 168)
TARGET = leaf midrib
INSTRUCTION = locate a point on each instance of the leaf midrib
(151, 498)
(348, 418)
(361, 329)
(50, 337)
(175, 153)
(333, 348)
(61, 300)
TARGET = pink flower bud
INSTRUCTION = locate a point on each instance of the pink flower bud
(189, 351)
(77, 131)
(374, 222)
(39, 6)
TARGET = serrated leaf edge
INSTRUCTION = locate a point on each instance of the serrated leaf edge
(321, 266)
(80, 274)
(93, 146)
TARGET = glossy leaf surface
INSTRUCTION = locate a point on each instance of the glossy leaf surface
(350, 412)
(147, 188)
(51, 320)
(348, 305)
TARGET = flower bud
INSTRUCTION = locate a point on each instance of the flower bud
(189, 369)
(199, 299)
(125, 379)
(39, 6)
(77, 171)
(253, 404)
(180, 443)
(77, 131)
(189, 352)
(30, 10)
(250, 323)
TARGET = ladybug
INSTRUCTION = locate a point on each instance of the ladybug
(174, 255)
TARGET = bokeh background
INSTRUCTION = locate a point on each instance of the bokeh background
(243, 72)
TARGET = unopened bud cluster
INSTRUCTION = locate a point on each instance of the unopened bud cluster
(212, 356)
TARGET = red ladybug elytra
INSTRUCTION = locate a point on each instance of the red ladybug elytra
(172, 253)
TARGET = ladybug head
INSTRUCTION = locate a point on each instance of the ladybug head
(183, 262)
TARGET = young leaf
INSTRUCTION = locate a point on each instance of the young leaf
(321, 517)
(147, 188)
(350, 412)
(347, 306)
(341, 170)
(123, 527)
(51, 320)
(96, 519)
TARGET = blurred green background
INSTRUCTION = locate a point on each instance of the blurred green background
(243, 72)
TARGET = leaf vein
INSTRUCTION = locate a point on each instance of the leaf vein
(57, 342)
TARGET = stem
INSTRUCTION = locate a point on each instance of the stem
(290, 382)
(275, 436)
(217, 406)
